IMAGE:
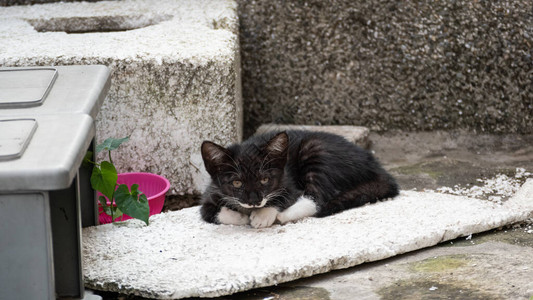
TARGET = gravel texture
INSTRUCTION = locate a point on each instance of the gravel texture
(410, 65)
(496, 189)
(178, 255)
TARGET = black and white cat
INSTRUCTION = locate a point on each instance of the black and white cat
(287, 176)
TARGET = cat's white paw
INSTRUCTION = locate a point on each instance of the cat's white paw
(304, 207)
(263, 217)
(231, 217)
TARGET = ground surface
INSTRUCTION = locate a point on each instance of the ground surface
(492, 265)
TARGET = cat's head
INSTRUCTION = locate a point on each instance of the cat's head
(250, 174)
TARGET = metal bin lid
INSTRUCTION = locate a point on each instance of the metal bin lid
(52, 156)
(15, 136)
(25, 87)
(33, 91)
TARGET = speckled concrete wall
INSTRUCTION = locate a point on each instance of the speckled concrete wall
(412, 65)
(169, 109)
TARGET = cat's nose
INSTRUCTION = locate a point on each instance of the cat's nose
(254, 198)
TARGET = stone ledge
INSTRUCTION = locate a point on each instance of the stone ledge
(355, 134)
(175, 80)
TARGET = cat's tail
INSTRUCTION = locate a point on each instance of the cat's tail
(383, 187)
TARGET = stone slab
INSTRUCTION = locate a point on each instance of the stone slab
(355, 134)
(175, 73)
(186, 257)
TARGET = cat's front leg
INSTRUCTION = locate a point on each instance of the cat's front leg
(213, 211)
(231, 217)
(263, 217)
(304, 207)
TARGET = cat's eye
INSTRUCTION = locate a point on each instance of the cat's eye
(237, 183)
(264, 180)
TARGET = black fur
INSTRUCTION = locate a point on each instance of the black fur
(335, 173)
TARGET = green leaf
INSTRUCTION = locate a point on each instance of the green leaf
(111, 144)
(116, 213)
(134, 203)
(104, 179)
(88, 159)
(105, 207)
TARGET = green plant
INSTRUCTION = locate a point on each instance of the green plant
(121, 200)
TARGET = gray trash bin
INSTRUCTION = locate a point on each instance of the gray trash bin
(29, 91)
(46, 127)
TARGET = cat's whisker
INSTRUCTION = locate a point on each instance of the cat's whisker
(235, 165)
(279, 196)
(263, 163)
(231, 201)
(230, 198)
(236, 171)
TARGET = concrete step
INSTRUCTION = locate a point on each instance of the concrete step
(355, 134)
(176, 73)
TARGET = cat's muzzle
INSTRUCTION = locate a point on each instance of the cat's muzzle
(263, 202)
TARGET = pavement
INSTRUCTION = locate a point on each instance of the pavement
(493, 265)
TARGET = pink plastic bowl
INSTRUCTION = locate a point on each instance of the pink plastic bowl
(152, 185)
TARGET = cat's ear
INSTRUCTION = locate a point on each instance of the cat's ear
(278, 145)
(214, 156)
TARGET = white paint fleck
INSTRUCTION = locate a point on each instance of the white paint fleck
(496, 189)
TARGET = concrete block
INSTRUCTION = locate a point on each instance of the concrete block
(355, 134)
(406, 65)
(175, 80)
(206, 260)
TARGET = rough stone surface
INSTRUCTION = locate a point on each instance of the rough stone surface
(355, 134)
(176, 73)
(201, 259)
(410, 65)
